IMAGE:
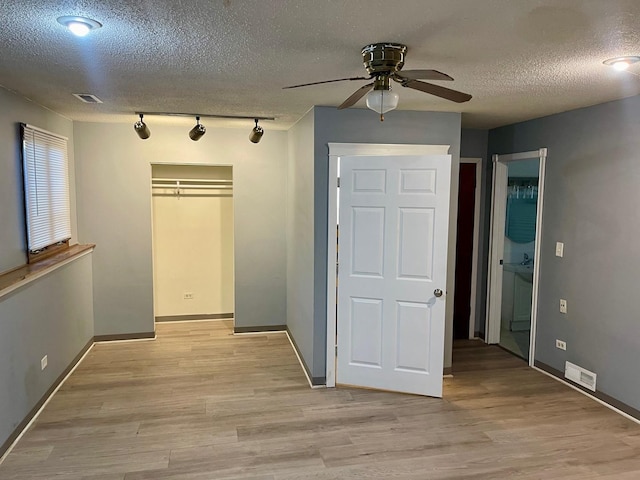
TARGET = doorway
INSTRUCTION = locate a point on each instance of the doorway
(516, 220)
(193, 260)
(467, 238)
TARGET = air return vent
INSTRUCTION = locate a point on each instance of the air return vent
(87, 98)
(580, 376)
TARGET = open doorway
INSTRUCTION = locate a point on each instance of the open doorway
(516, 219)
(192, 242)
(468, 220)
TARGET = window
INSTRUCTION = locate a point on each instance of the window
(46, 189)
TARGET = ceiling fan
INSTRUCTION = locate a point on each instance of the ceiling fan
(384, 62)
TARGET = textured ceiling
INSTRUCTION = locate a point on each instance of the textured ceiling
(520, 59)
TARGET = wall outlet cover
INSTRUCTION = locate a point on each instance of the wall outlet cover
(562, 345)
(559, 249)
(563, 305)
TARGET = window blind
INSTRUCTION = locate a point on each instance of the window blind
(46, 187)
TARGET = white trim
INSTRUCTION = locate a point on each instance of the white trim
(476, 241)
(304, 370)
(510, 157)
(496, 249)
(494, 296)
(369, 149)
(336, 150)
(332, 259)
(46, 271)
(128, 340)
(46, 402)
(587, 394)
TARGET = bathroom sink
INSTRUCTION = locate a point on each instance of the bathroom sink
(518, 267)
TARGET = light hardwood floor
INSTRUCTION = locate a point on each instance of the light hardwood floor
(199, 403)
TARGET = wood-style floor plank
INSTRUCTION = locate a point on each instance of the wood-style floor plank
(199, 403)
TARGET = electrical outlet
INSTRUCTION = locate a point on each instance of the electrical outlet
(561, 344)
(559, 249)
(44, 362)
(188, 296)
(563, 305)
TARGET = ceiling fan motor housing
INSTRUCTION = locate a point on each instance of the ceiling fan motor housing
(383, 58)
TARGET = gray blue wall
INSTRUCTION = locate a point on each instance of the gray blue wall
(13, 111)
(591, 204)
(300, 235)
(52, 315)
(114, 198)
(363, 126)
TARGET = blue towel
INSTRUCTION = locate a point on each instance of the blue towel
(521, 220)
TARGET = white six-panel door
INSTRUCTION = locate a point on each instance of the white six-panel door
(393, 216)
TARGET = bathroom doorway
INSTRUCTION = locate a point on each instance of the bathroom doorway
(513, 278)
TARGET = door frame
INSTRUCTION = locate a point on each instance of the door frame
(476, 242)
(153, 240)
(337, 150)
(496, 245)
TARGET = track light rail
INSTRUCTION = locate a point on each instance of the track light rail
(205, 115)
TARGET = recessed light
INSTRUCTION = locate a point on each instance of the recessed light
(79, 26)
(622, 63)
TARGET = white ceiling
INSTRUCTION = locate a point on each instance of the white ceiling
(520, 59)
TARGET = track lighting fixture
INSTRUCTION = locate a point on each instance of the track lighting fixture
(142, 129)
(198, 131)
(256, 133)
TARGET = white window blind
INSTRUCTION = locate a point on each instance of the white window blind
(46, 187)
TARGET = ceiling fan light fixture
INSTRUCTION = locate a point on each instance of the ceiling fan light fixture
(79, 26)
(622, 63)
(382, 101)
(198, 131)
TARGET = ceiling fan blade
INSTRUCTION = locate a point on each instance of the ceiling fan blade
(438, 91)
(327, 81)
(357, 95)
(423, 75)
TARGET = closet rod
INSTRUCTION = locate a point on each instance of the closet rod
(185, 187)
(193, 180)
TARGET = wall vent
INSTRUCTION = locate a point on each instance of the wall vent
(87, 98)
(580, 376)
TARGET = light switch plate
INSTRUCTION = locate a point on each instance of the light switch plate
(563, 305)
(559, 249)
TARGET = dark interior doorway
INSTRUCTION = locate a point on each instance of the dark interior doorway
(464, 250)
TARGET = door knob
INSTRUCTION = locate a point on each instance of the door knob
(437, 292)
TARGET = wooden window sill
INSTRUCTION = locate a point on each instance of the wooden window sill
(18, 277)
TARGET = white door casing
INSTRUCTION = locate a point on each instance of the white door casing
(394, 216)
(496, 245)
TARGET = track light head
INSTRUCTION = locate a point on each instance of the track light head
(142, 129)
(198, 131)
(256, 133)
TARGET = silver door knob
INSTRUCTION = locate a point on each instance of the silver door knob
(437, 292)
